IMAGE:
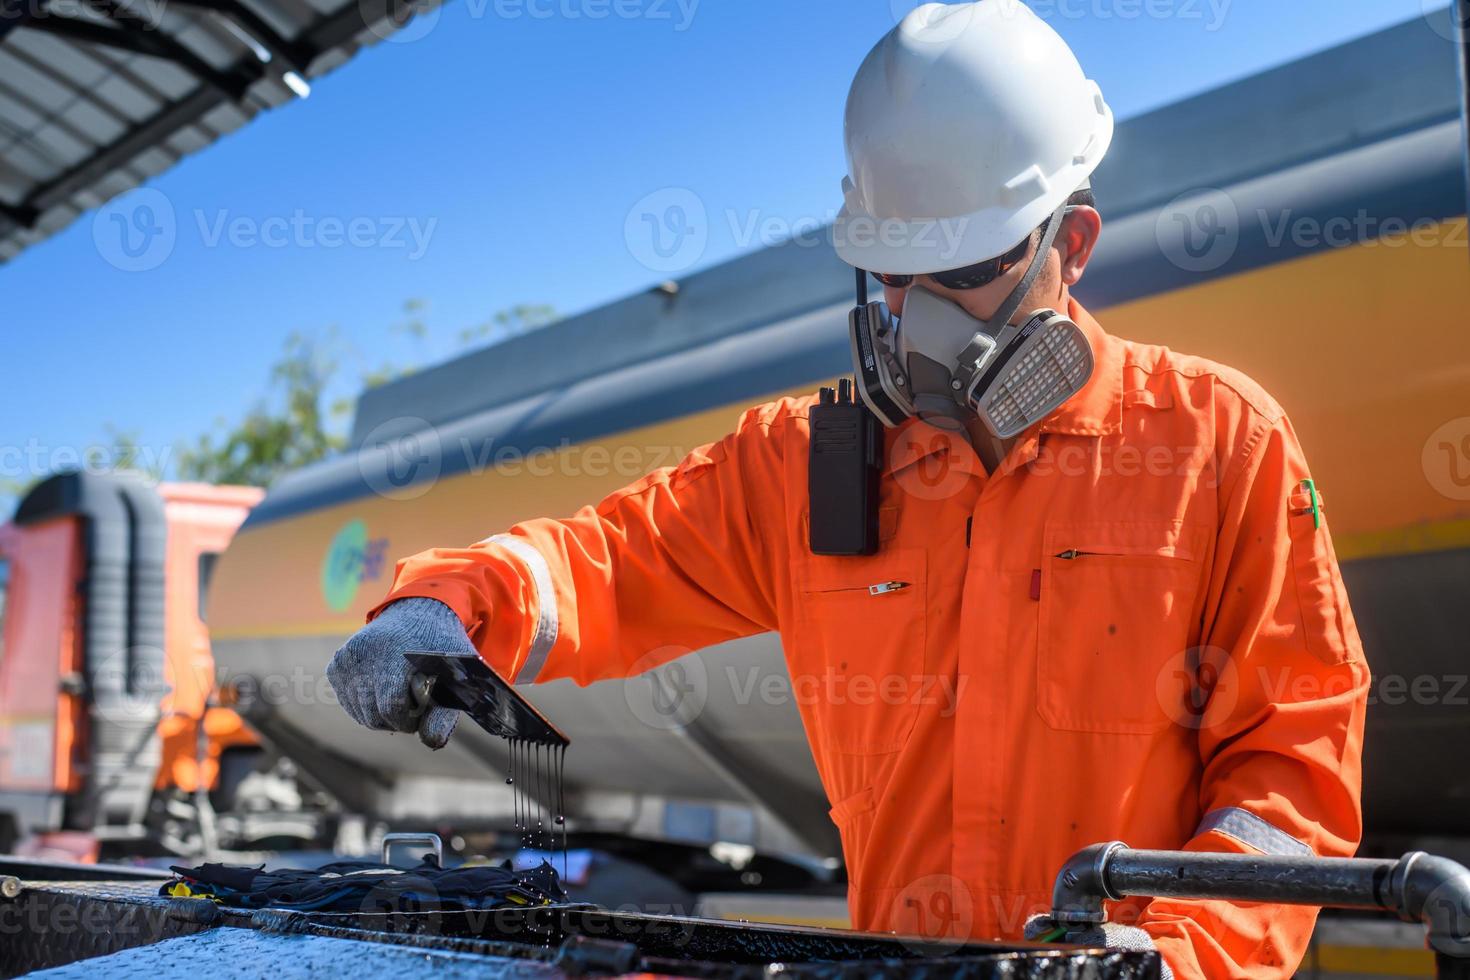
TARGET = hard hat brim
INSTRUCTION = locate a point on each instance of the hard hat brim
(923, 246)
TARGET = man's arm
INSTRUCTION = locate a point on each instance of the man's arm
(1282, 736)
(674, 562)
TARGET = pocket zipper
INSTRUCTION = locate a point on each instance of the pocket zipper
(877, 588)
(1072, 554)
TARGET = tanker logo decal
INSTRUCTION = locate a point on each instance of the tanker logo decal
(352, 558)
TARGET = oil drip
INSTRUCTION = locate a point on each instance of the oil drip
(536, 774)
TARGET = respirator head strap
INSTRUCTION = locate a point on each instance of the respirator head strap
(982, 347)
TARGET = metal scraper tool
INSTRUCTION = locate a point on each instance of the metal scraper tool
(466, 683)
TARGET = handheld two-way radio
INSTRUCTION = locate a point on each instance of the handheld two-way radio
(845, 458)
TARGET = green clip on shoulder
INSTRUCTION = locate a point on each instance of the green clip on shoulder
(1316, 504)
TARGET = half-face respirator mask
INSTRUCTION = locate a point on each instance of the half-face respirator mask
(939, 364)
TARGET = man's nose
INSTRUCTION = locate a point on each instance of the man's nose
(975, 302)
(894, 297)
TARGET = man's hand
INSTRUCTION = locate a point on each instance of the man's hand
(374, 682)
(1042, 928)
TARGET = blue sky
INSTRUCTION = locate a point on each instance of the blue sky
(491, 157)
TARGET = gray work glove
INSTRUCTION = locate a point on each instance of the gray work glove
(373, 681)
(1104, 934)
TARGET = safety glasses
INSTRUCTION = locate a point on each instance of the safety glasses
(971, 276)
(968, 277)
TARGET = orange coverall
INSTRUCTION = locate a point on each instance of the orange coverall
(1135, 629)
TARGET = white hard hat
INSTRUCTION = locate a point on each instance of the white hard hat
(966, 127)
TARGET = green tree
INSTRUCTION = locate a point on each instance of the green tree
(413, 325)
(284, 431)
(292, 427)
(519, 319)
(128, 453)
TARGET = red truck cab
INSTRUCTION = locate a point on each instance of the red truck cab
(105, 665)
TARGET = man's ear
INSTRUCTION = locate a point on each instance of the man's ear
(1076, 239)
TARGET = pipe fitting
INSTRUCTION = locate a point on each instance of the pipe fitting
(1082, 885)
(1418, 887)
(1435, 891)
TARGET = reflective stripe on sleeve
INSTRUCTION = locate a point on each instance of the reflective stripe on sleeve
(1246, 827)
(547, 624)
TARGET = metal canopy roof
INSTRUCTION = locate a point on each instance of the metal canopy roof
(97, 96)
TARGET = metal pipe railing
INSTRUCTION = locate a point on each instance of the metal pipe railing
(1417, 887)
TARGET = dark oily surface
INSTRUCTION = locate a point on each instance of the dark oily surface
(61, 922)
(39, 869)
(71, 924)
(141, 889)
(671, 937)
(1051, 965)
(246, 953)
(713, 947)
(468, 684)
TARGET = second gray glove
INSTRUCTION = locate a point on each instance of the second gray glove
(1108, 935)
(373, 681)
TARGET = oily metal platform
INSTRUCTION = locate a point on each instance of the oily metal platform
(121, 926)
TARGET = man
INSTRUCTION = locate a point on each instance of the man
(1133, 596)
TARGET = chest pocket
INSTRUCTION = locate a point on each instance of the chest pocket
(858, 648)
(1117, 612)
